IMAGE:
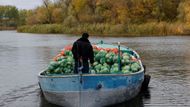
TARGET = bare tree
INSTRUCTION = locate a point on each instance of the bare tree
(47, 4)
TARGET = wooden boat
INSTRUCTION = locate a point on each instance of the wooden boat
(92, 90)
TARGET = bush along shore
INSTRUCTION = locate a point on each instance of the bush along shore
(146, 29)
(7, 28)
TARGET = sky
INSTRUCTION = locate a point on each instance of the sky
(22, 4)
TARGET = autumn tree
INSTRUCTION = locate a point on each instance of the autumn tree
(82, 10)
(9, 15)
(48, 6)
(22, 17)
(31, 18)
(104, 11)
(184, 11)
(168, 9)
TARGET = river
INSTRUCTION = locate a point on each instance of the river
(23, 56)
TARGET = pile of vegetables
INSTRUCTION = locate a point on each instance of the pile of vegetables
(105, 62)
(63, 63)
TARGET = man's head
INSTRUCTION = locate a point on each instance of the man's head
(85, 35)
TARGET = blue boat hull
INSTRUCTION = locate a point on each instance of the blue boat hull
(91, 90)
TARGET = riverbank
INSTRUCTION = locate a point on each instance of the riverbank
(7, 28)
(151, 28)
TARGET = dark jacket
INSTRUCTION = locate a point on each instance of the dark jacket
(82, 48)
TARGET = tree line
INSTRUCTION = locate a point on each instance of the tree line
(104, 11)
(102, 16)
(8, 16)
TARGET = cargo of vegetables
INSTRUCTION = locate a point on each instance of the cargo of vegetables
(106, 61)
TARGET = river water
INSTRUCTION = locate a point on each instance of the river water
(23, 56)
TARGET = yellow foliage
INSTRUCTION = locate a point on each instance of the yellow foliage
(79, 4)
(184, 11)
(57, 15)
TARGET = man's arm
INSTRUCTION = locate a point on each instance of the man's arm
(74, 50)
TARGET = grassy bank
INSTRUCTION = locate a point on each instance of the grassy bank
(151, 28)
(7, 28)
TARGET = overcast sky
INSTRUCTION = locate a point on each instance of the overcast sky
(22, 4)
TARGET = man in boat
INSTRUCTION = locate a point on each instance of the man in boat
(82, 52)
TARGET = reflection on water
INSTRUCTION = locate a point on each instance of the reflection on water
(23, 56)
(44, 103)
(135, 102)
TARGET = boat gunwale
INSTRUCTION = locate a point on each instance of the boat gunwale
(85, 75)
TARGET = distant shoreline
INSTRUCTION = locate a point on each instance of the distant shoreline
(7, 28)
(104, 30)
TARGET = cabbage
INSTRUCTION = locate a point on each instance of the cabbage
(97, 57)
(95, 51)
(125, 61)
(115, 59)
(95, 63)
(50, 68)
(68, 53)
(54, 63)
(115, 65)
(102, 60)
(126, 57)
(108, 55)
(108, 60)
(93, 71)
(104, 69)
(60, 58)
(125, 69)
(98, 67)
(58, 70)
(70, 60)
(135, 67)
(114, 70)
(106, 65)
(102, 53)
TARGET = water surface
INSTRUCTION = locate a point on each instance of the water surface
(23, 56)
